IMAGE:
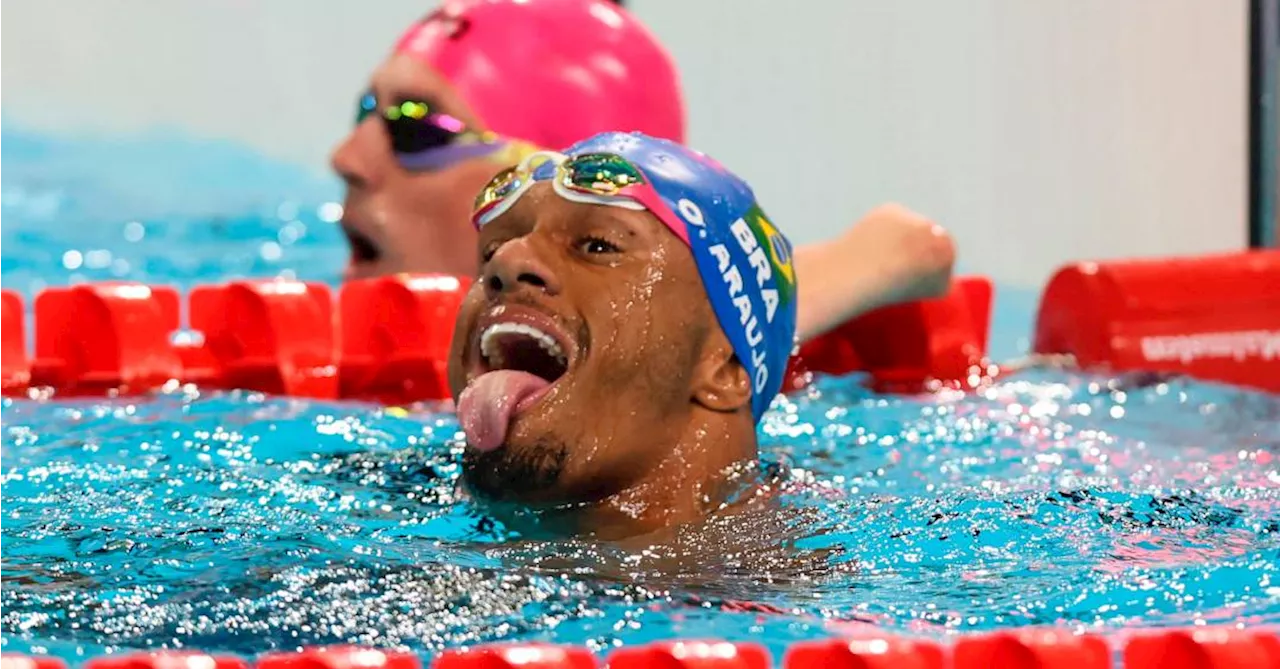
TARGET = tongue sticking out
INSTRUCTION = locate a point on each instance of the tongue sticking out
(486, 406)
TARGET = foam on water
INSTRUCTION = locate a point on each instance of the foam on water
(238, 522)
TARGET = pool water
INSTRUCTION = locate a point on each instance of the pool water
(243, 523)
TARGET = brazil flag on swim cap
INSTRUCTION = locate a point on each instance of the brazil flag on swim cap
(779, 250)
(744, 261)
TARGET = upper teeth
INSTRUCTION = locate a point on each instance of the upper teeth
(490, 349)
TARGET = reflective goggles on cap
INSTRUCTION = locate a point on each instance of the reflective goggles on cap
(591, 178)
(424, 139)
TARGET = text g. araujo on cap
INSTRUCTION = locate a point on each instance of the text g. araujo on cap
(744, 261)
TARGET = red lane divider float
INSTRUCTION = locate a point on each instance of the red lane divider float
(905, 347)
(271, 336)
(15, 368)
(11, 661)
(388, 339)
(1212, 317)
(691, 655)
(1032, 649)
(1215, 318)
(396, 333)
(1204, 649)
(869, 653)
(517, 656)
(1198, 648)
(167, 660)
(340, 657)
(102, 337)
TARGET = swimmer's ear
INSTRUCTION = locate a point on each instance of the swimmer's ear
(720, 381)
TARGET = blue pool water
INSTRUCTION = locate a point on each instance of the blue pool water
(244, 523)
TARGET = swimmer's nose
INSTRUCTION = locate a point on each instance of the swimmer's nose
(515, 266)
(361, 158)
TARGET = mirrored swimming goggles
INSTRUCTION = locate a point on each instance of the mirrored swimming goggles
(591, 178)
(423, 139)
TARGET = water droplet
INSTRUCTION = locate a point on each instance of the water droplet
(329, 212)
(270, 251)
(134, 231)
(97, 259)
(72, 259)
(291, 232)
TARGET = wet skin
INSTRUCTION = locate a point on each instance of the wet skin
(650, 407)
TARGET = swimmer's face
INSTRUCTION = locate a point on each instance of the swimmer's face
(396, 220)
(618, 297)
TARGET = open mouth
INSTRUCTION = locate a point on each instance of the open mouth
(363, 248)
(524, 348)
(520, 355)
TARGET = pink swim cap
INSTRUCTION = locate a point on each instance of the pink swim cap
(552, 72)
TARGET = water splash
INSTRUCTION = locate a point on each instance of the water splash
(242, 523)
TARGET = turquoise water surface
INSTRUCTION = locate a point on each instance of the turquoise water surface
(244, 523)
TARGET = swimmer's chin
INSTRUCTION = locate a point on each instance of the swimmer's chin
(528, 473)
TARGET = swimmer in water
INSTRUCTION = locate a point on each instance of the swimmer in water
(475, 86)
(630, 325)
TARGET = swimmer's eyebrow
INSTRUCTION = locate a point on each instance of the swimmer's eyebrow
(630, 224)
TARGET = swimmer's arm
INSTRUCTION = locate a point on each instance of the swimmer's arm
(892, 255)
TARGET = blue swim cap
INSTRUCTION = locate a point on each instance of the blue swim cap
(745, 263)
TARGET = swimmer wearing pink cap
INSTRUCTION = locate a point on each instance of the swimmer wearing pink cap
(477, 84)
